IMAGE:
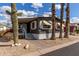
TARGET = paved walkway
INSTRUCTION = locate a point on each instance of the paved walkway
(72, 50)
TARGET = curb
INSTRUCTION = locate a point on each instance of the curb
(50, 49)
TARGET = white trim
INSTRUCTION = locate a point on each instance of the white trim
(23, 30)
(35, 25)
(42, 36)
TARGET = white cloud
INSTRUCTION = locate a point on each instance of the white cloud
(22, 11)
(75, 20)
(4, 8)
(47, 14)
(50, 8)
(37, 6)
(58, 6)
(23, 4)
(1, 15)
(27, 13)
(31, 12)
(6, 18)
(1, 21)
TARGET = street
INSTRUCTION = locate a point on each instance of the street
(72, 50)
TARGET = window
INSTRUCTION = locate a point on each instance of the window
(45, 24)
(20, 28)
(33, 25)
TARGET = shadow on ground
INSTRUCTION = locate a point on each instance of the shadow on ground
(4, 39)
(5, 45)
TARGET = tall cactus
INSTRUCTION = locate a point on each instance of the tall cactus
(61, 22)
(53, 21)
(14, 22)
(66, 35)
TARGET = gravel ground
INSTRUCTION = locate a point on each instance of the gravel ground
(7, 50)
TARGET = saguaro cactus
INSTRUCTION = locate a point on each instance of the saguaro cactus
(14, 22)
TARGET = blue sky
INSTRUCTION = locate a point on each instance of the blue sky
(31, 9)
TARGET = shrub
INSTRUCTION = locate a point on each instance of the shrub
(77, 31)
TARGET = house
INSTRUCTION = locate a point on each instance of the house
(2, 27)
(36, 28)
(74, 27)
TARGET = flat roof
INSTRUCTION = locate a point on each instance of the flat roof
(26, 20)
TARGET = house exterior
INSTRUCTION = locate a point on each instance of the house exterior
(36, 28)
(74, 27)
(2, 27)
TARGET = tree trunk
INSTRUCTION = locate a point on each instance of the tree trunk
(66, 35)
(14, 22)
(61, 22)
(53, 21)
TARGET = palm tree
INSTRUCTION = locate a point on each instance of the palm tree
(53, 21)
(62, 13)
(14, 22)
(66, 35)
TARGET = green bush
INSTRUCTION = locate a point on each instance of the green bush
(77, 31)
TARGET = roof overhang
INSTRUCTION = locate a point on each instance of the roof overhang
(28, 19)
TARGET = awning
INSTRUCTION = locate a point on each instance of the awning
(46, 22)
